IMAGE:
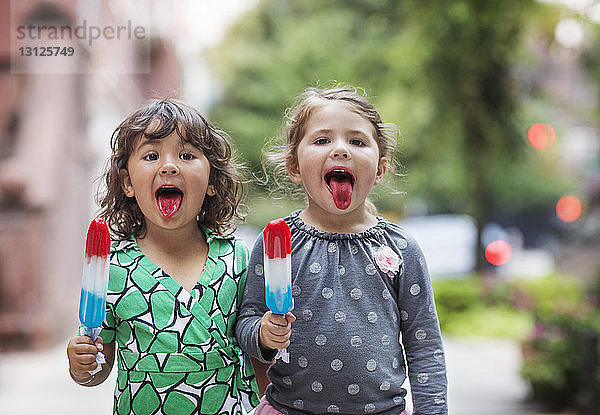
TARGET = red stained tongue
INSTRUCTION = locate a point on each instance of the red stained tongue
(342, 192)
(168, 203)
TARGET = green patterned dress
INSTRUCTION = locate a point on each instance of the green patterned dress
(174, 349)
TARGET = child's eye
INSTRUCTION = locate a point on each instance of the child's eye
(322, 140)
(186, 156)
(357, 142)
(151, 157)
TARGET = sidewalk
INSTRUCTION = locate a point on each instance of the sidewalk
(483, 379)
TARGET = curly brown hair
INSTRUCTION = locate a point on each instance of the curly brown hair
(123, 214)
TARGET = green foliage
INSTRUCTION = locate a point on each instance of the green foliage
(557, 355)
(467, 307)
(448, 84)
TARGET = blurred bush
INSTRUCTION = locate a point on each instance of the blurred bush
(561, 354)
(556, 319)
(476, 306)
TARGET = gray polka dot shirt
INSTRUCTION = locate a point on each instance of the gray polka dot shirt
(364, 307)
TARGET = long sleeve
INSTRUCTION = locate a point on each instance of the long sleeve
(421, 335)
(253, 307)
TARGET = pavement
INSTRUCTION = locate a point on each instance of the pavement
(483, 380)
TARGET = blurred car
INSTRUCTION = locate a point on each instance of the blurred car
(448, 242)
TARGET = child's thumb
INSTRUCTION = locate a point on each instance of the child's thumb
(290, 317)
(99, 343)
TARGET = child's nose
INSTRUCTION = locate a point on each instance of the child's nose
(340, 151)
(169, 168)
(342, 154)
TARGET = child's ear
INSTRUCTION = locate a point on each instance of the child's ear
(126, 183)
(381, 169)
(293, 170)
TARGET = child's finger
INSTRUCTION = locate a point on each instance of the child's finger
(277, 330)
(82, 368)
(290, 317)
(278, 320)
(86, 359)
(85, 349)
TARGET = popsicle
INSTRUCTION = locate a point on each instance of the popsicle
(278, 271)
(94, 284)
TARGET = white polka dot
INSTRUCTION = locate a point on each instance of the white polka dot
(438, 355)
(316, 386)
(370, 269)
(341, 270)
(331, 247)
(402, 244)
(422, 261)
(320, 340)
(385, 340)
(258, 269)
(431, 308)
(353, 249)
(371, 365)
(315, 268)
(287, 380)
(398, 400)
(353, 389)
(404, 315)
(340, 317)
(307, 315)
(356, 341)
(439, 399)
(420, 334)
(394, 317)
(327, 293)
(369, 408)
(299, 404)
(333, 409)
(372, 317)
(356, 293)
(308, 245)
(302, 361)
(395, 363)
(422, 377)
(386, 294)
(336, 364)
(385, 386)
(415, 289)
(296, 290)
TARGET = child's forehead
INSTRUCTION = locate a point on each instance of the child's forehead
(158, 129)
(329, 110)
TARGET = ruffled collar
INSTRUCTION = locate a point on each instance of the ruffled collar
(295, 221)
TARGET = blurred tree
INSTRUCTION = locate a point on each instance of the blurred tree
(441, 71)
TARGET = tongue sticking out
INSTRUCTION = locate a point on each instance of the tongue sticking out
(341, 189)
(168, 203)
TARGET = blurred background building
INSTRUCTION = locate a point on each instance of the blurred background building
(55, 124)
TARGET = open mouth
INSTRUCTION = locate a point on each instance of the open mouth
(340, 183)
(168, 199)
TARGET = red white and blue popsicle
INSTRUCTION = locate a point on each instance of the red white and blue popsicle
(94, 284)
(278, 271)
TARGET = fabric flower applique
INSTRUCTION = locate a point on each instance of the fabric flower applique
(387, 260)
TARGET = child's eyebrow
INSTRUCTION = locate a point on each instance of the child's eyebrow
(352, 131)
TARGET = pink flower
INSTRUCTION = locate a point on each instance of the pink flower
(387, 260)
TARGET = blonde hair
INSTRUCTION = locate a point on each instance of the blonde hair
(277, 156)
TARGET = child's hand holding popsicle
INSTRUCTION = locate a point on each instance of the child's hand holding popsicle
(275, 328)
